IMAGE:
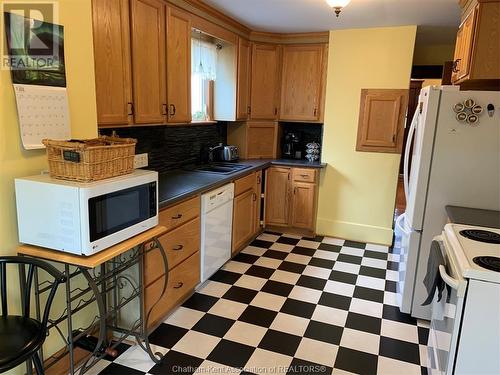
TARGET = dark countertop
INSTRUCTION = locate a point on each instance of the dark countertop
(179, 184)
(473, 216)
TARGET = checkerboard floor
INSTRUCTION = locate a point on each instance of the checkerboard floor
(289, 305)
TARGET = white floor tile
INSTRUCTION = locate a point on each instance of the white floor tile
(390, 299)
(245, 333)
(352, 251)
(364, 307)
(308, 244)
(301, 293)
(138, 359)
(285, 277)
(423, 323)
(317, 352)
(375, 247)
(392, 275)
(376, 263)
(393, 257)
(323, 254)
(264, 362)
(228, 309)
(268, 301)
(389, 366)
(291, 235)
(237, 267)
(319, 272)
(251, 282)
(346, 267)
(400, 331)
(371, 282)
(268, 262)
(423, 355)
(209, 367)
(333, 241)
(330, 315)
(184, 317)
(337, 287)
(97, 368)
(268, 237)
(282, 247)
(197, 344)
(297, 258)
(361, 341)
(214, 288)
(252, 250)
(290, 324)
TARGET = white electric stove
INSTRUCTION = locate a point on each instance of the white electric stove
(465, 328)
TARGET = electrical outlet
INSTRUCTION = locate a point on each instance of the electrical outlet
(141, 160)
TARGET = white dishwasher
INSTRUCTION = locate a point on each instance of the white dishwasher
(216, 229)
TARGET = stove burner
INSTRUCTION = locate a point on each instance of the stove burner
(481, 236)
(490, 263)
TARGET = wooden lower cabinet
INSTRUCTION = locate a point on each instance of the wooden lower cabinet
(181, 282)
(291, 198)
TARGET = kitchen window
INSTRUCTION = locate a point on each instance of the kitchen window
(203, 75)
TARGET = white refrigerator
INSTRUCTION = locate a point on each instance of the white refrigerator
(453, 162)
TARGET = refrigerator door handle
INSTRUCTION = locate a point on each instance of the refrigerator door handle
(399, 224)
(411, 133)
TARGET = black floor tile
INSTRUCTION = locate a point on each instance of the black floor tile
(231, 353)
(393, 266)
(280, 342)
(299, 366)
(369, 294)
(201, 302)
(390, 286)
(273, 233)
(328, 247)
(226, 277)
(344, 277)
(174, 363)
(423, 335)
(314, 239)
(167, 335)
(357, 362)
(393, 313)
(359, 245)
(246, 258)
(120, 348)
(261, 244)
(375, 255)
(239, 294)
(372, 272)
(288, 240)
(292, 267)
(347, 258)
(335, 300)
(364, 323)
(213, 325)
(311, 282)
(423, 370)
(303, 251)
(323, 263)
(401, 350)
(116, 369)
(258, 316)
(258, 271)
(276, 287)
(275, 254)
(324, 332)
(298, 308)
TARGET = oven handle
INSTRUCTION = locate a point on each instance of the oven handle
(453, 283)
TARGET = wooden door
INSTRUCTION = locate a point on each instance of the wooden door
(302, 75)
(243, 83)
(258, 201)
(262, 140)
(243, 218)
(277, 196)
(148, 61)
(112, 61)
(265, 82)
(463, 48)
(381, 120)
(303, 205)
(178, 65)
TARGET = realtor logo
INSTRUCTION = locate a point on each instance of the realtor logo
(34, 40)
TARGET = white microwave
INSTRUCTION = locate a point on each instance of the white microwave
(85, 218)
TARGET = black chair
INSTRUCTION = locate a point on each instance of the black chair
(21, 336)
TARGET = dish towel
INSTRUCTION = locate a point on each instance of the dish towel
(433, 280)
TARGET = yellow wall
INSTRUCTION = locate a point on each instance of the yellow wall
(358, 189)
(76, 16)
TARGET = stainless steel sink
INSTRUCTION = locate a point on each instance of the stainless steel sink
(221, 168)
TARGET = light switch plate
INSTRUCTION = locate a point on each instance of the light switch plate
(141, 160)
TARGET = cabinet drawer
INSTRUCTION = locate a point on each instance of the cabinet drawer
(174, 216)
(181, 281)
(178, 244)
(243, 184)
(304, 174)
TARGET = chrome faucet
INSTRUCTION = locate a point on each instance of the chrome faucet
(211, 151)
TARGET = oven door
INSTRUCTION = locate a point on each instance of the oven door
(446, 315)
(117, 215)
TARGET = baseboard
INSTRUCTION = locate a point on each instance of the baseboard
(355, 231)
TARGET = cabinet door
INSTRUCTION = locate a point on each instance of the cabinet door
(262, 140)
(303, 205)
(302, 75)
(265, 82)
(463, 52)
(148, 61)
(381, 120)
(243, 218)
(178, 65)
(277, 196)
(244, 70)
(112, 61)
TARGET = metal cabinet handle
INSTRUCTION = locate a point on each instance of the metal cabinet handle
(178, 285)
(254, 197)
(178, 216)
(258, 180)
(172, 110)
(249, 110)
(164, 107)
(295, 190)
(130, 109)
(315, 112)
(455, 66)
(178, 247)
(275, 111)
(304, 175)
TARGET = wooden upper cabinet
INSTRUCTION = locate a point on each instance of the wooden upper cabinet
(381, 120)
(265, 82)
(112, 61)
(178, 65)
(463, 48)
(302, 81)
(277, 196)
(262, 140)
(148, 60)
(243, 81)
(303, 210)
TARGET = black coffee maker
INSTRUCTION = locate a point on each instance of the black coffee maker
(291, 146)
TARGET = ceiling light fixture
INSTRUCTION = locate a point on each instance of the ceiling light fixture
(337, 5)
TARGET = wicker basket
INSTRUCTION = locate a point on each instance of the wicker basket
(92, 159)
